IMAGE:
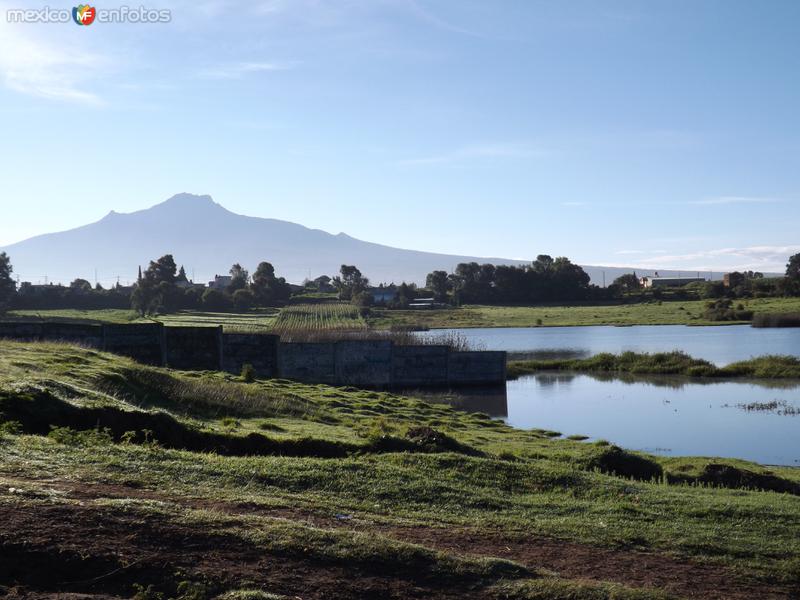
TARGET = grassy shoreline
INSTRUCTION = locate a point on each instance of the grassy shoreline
(336, 476)
(663, 363)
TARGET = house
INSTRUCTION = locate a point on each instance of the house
(421, 303)
(661, 282)
(383, 294)
(221, 282)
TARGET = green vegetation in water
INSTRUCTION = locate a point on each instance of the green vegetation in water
(777, 320)
(663, 363)
(323, 482)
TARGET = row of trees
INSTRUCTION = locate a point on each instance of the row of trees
(164, 288)
(545, 280)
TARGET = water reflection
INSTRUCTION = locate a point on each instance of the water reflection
(659, 414)
(490, 400)
(719, 344)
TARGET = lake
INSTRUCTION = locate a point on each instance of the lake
(675, 416)
(721, 344)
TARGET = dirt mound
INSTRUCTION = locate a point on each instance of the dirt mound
(616, 461)
(728, 476)
(429, 439)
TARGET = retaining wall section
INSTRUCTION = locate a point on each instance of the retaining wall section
(310, 362)
(419, 365)
(193, 348)
(74, 333)
(364, 362)
(21, 330)
(367, 363)
(257, 349)
(476, 368)
(143, 342)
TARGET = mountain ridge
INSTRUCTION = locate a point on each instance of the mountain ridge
(207, 238)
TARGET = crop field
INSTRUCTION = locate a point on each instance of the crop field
(257, 321)
(320, 317)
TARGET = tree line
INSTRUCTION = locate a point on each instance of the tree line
(164, 288)
(546, 279)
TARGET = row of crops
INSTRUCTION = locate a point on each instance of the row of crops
(303, 319)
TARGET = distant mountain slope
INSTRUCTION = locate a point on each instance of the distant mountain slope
(208, 239)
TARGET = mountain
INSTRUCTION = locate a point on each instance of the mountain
(208, 239)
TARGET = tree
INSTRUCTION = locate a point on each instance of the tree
(163, 269)
(628, 282)
(181, 278)
(81, 285)
(243, 299)
(156, 289)
(215, 300)
(350, 282)
(793, 268)
(268, 289)
(239, 277)
(439, 285)
(7, 286)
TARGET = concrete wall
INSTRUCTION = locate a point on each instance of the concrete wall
(310, 362)
(419, 365)
(369, 363)
(364, 362)
(476, 368)
(143, 342)
(21, 331)
(198, 348)
(259, 350)
(74, 333)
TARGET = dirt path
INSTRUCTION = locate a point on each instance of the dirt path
(115, 535)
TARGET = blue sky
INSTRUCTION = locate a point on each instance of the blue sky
(662, 134)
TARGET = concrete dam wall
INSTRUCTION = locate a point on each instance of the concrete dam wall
(368, 363)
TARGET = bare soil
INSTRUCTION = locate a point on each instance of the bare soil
(81, 550)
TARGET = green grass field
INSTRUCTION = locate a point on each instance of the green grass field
(341, 316)
(664, 313)
(198, 484)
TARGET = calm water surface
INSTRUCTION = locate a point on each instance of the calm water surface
(661, 415)
(719, 344)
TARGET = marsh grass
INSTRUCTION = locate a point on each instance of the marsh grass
(663, 363)
(777, 320)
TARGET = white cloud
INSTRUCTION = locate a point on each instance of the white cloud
(751, 258)
(479, 151)
(49, 67)
(241, 69)
(737, 200)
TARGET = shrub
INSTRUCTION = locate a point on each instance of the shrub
(776, 320)
(248, 373)
(616, 461)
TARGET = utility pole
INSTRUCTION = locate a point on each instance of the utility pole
(604, 279)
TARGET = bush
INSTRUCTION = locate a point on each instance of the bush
(776, 320)
(215, 300)
(248, 373)
(616, 461)
(243, 300)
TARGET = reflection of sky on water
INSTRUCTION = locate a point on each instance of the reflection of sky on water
(719, 344)
(669, 415)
